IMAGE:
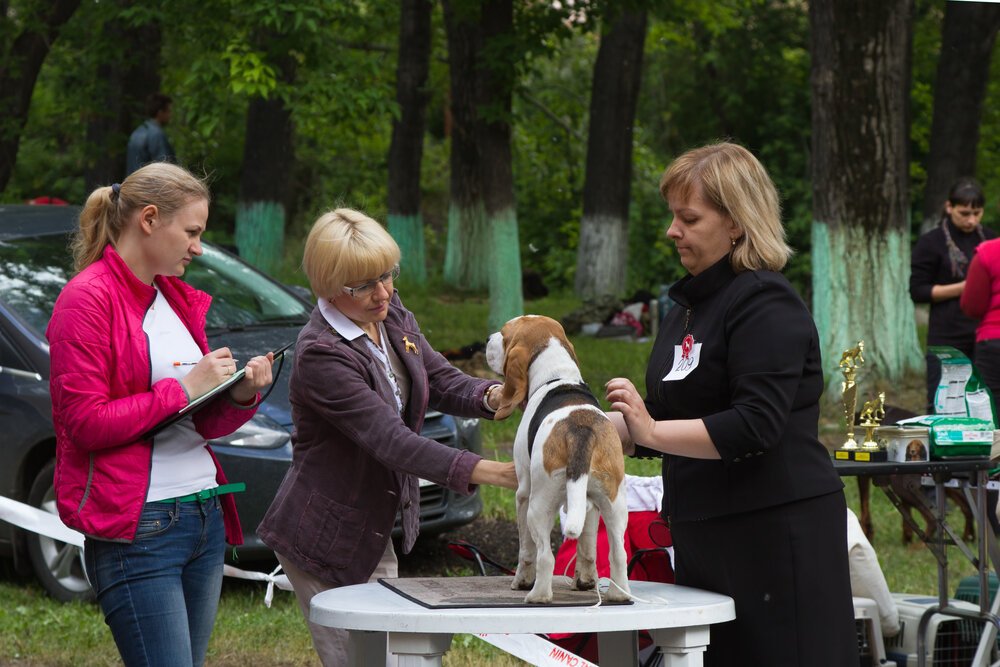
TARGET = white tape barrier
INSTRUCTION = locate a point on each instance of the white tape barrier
(38, 521)
(531, 648)
(535, 650)
(272, 578)
(48, 524)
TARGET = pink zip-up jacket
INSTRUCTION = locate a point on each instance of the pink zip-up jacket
(103, 402)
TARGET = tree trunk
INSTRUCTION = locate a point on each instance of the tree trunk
(406, 222)
(126, 81)
(967, 37)
(483, 248)
(860, 238)
(268, 157)
(20, 62)
(602, 256)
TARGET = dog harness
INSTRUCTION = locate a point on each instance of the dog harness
(559, 397)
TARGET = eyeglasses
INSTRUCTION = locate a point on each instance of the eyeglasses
(362, 291)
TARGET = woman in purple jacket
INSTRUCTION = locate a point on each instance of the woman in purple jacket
(156, 511)
(363, 375)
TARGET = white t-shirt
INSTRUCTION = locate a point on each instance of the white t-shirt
(181, 463)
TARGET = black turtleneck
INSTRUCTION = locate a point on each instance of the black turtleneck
(756, 386)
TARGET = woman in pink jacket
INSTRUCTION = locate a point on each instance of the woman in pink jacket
(156, 511)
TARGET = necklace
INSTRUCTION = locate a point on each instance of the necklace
(381, 355)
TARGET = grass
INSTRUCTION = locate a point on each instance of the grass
(37, 631)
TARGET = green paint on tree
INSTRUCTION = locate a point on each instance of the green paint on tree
(506, 296)
(468, 251)
(260, 232)
(861, 292)
(408, 231)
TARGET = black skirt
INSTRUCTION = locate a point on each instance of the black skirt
(786, 568)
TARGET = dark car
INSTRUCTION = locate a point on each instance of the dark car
(251, 313)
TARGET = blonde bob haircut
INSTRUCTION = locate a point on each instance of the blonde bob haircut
(346, 246)
(735, 183)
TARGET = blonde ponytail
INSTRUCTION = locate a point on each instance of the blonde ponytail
(108, 208)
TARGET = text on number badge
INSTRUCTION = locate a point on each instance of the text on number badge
(686, 356)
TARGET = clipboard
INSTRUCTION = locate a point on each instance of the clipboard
(207, 397)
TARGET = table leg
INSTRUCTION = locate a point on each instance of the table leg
(618, 648)
(418, 649)
(365, 648)
(682, 647)
(942, 564)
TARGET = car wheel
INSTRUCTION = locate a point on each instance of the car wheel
(58, 566)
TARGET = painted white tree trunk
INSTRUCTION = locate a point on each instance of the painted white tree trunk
(603, 255)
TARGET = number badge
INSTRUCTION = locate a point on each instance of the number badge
(686, 357)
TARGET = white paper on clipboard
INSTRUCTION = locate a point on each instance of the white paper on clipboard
(197, 403)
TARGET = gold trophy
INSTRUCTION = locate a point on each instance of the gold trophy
(871, 416)
(850, 362)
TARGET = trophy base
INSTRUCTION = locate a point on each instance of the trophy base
(863, 455)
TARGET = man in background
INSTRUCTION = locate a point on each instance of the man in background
(149, 142)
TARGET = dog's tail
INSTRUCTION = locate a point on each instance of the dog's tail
(576, 506)
(581, 443)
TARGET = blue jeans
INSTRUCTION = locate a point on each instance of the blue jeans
(160, 594)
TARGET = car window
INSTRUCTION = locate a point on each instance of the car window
(33, 270)
(241, 295)
(10, 357)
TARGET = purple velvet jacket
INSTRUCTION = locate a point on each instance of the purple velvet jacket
(355, 461)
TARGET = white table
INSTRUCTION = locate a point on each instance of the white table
(677, 617)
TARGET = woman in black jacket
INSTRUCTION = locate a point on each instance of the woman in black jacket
(756, 509)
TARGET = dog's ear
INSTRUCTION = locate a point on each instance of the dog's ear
(572, 351)
(515, 380)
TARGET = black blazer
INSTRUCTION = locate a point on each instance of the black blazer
(757, 386)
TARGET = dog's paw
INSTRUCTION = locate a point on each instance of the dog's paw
(538, 597)
(584, 583)
(522, 582)
(616, 594)
(524, 578)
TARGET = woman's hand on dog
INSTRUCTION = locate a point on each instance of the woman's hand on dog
(495, 473)
(624, 398)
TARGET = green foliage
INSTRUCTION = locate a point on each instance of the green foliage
(249, 74)
(550, 139)
(736, 71)
(988, 155)
(48, 161)
(723, 69)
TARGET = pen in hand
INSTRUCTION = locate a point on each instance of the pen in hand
(192, 363)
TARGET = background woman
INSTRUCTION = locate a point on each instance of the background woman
(157, 512)
(981, 301)
(938, 267)
(755, 508)
(363, 375)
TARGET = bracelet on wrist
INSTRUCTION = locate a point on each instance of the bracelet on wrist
(489, 395)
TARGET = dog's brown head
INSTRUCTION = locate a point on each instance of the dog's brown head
(511, 351)
(915, 451)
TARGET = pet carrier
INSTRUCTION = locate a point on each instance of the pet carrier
(951, 641)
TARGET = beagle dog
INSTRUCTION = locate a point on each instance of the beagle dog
(566, 451)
